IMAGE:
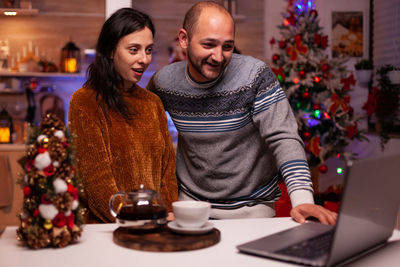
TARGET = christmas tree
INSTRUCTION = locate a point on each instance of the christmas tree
(317, 87)
(51, 214)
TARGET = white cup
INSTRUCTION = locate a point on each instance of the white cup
(191, 213)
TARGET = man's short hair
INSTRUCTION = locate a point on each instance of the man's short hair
(193, 14)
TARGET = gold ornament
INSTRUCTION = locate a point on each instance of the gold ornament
(45, 142)
(47, 224)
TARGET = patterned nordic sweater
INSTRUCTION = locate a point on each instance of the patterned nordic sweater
(117, 156)
(236, 134)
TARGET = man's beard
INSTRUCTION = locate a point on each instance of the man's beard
(203, 62)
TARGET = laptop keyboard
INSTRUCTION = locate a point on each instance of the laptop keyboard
(311, 248)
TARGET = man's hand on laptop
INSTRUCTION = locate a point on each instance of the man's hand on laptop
(303, 211)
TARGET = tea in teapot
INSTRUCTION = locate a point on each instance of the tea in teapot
(141, 209)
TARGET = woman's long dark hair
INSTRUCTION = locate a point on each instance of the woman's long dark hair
(102, 76)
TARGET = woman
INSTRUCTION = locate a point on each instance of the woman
(122, 139)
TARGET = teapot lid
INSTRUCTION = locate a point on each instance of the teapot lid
(143, 192)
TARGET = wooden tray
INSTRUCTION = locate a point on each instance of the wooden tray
(163, 239)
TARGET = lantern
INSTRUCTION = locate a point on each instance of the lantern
(70, 58)
(6, 127)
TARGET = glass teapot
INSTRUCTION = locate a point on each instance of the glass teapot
(141, 209)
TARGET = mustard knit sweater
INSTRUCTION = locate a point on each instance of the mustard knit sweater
(117, 156)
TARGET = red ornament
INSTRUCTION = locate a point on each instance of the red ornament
(316, 79)
(275, 57)
(325, 67)
(306, 95)
(323, 168)
(306, 135)
(302, 74)
(27, 191)
(298, 37)
(325, 75)
(73, 191)
(314, 13)
(316, 107)
(282, 44)
(36, 213)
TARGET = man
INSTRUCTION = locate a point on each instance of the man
(237, 132)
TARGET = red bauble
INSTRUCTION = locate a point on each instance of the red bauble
(298, 37)
(316, 107)
(302, 74)
(27, 191)
(36, 213)
(306, 95)
(323, 168)
(325, 67)
(325, 75)
(275, 57)
(314, 13)
(306, 135)
(282, 44)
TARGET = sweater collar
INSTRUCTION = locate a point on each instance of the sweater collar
(196, 84)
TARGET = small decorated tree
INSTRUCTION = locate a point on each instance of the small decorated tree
(317, 87)
(51, 215)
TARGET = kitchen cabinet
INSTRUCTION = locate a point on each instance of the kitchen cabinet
(11, 198)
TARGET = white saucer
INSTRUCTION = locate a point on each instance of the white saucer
(191, 231)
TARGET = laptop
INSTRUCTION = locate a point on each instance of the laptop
(367, 216)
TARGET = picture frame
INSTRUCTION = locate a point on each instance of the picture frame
(348, 34)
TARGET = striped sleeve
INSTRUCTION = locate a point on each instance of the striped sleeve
(296, 175)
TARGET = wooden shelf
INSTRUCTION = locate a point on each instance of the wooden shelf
(12, 147)
(2, 93)
(42, 74)
(19, 12)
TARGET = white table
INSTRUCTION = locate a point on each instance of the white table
(96, 248)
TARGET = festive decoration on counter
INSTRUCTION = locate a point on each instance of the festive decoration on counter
(51, 215)
(317, 87)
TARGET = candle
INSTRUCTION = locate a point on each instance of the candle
(70, 65)
(4, 135)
